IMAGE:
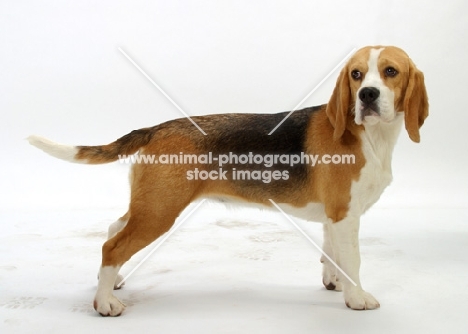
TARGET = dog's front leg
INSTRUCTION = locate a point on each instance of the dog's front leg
(344, 237)
(330, 272)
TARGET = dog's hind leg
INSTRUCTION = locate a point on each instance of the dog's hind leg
(115, 228)
(118, 225)
(153, 210)
(141, 230)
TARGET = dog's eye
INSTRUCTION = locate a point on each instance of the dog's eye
(390, 72)
(357, 75)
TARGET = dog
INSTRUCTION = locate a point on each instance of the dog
(377, 91)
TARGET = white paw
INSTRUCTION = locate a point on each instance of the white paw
(109, 306)
(331, 283)
(360, 300)
(330, 279)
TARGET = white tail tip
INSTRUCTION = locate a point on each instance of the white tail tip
(64, 152)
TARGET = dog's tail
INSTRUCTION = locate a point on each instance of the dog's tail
(124, 146)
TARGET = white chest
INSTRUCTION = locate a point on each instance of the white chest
(378, 142)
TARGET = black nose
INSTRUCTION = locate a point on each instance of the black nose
(369, 94)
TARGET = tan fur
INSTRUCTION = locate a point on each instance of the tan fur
(415, 103)
(332, 183)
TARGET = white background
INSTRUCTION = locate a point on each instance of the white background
(62, 76)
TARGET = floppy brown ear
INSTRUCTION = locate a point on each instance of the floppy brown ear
(339, 104)
(416, 105)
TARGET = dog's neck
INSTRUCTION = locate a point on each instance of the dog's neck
(379, 139)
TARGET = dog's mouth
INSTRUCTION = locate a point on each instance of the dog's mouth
(368, 114)
(371, 110)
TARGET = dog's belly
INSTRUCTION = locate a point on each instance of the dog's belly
(311, 212)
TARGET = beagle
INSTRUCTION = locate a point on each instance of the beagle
(377, 90)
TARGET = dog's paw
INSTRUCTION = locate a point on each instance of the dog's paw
(331, 283)
(360, 300)
(110, 306)
(117, 282)
(329, 278)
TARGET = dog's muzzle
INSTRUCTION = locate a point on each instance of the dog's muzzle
(368, 97)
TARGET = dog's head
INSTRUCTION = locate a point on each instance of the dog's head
(375, 84)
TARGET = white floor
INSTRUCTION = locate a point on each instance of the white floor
(235, 272)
